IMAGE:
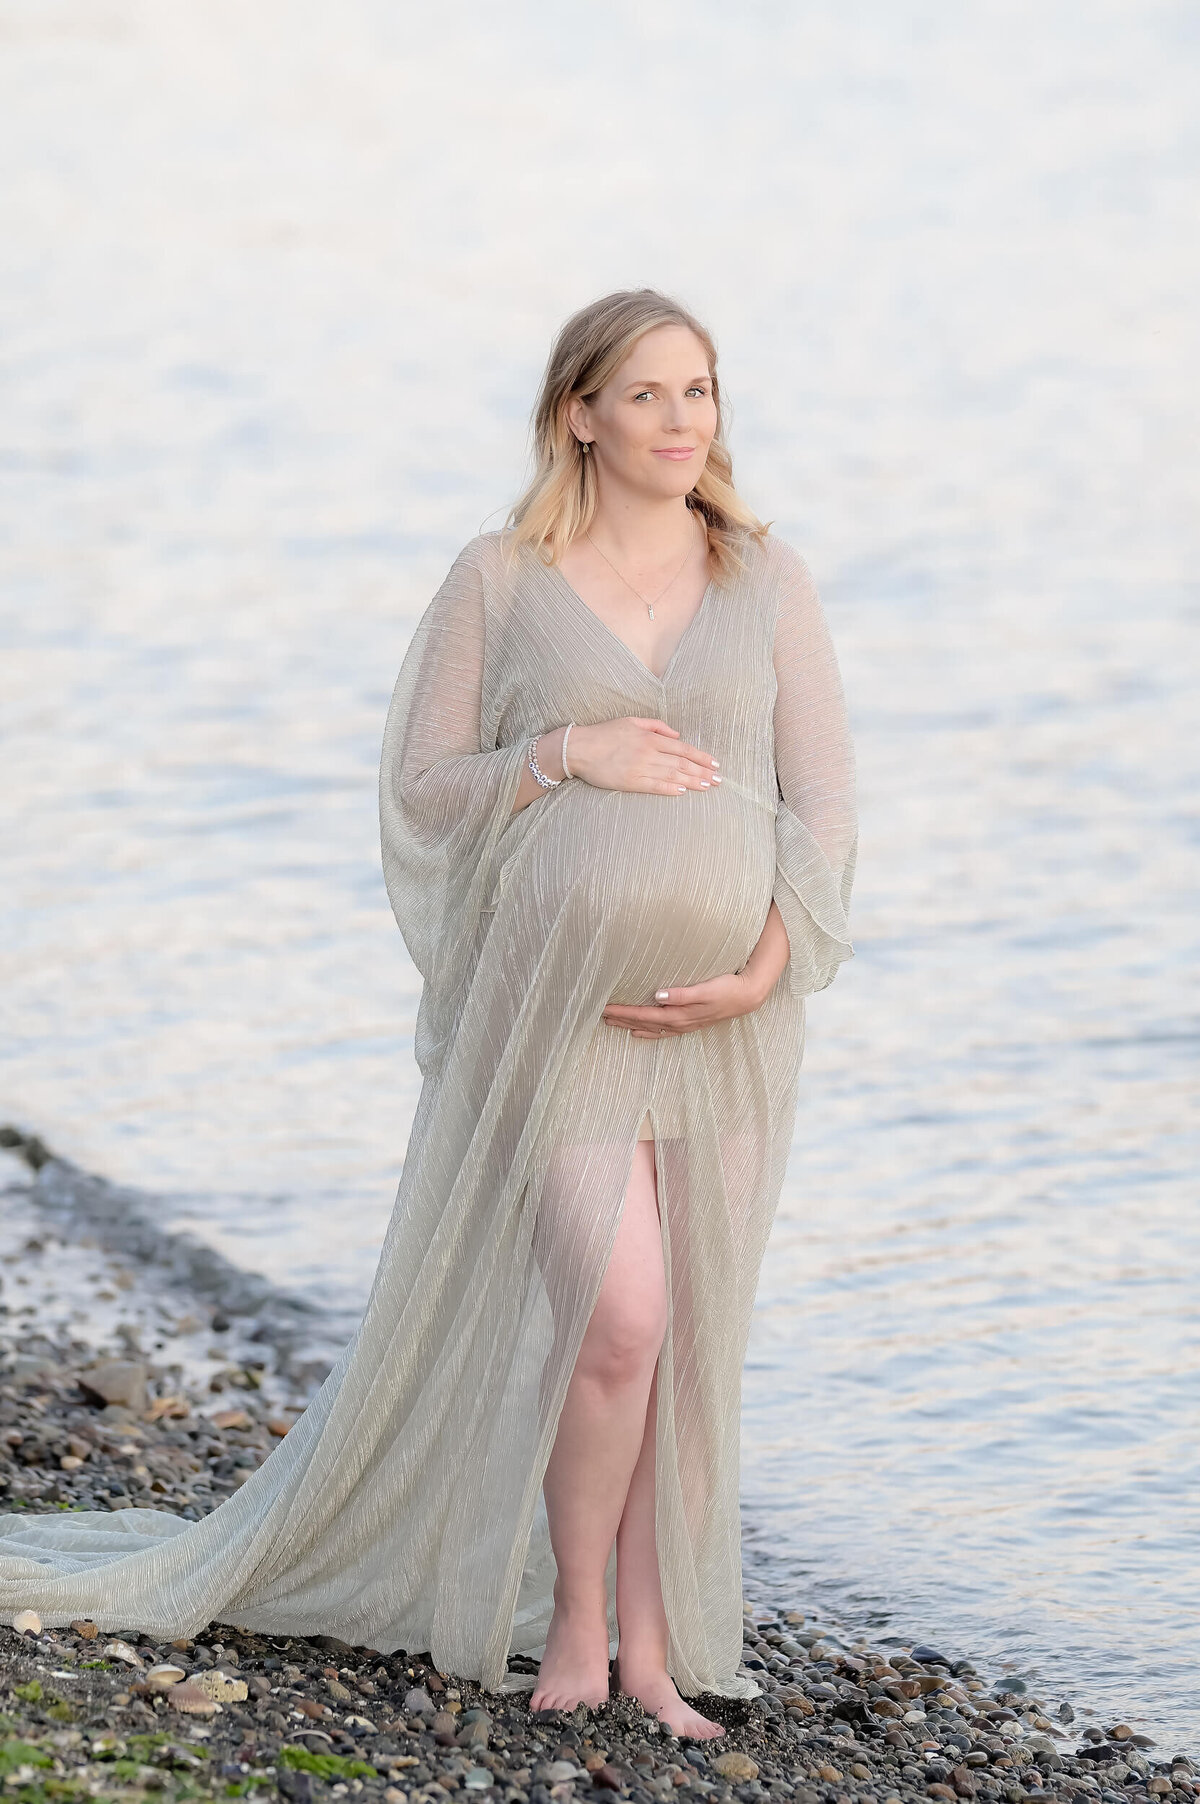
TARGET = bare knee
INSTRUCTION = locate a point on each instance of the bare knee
(623, 1341)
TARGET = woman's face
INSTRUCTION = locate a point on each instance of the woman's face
(651, 424)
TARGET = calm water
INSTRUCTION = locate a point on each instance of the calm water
(277, 287)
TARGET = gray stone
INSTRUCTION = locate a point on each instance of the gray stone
(26, 1365)
(121, 1381)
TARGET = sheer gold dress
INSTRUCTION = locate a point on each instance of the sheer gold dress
(404, 1507)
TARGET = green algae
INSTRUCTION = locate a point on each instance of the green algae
(325, 1766)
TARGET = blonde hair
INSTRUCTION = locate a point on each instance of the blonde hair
(560, 499)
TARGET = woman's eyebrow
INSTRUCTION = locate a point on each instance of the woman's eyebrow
(657, 382)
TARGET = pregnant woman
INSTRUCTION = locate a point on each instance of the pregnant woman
(618, 836)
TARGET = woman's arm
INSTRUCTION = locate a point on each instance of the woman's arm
(688, 1006)
(444, 799)
(816, 823)
(636, 753)
(768, 961)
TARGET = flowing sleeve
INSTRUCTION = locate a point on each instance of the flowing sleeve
(816, 830)
(445, 798)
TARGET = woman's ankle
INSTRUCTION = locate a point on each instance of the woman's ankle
(580, 1603)
(641, 1657)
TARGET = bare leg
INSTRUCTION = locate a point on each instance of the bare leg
(641, 1617)
(598, 1443)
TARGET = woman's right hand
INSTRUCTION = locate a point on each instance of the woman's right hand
(638, 754)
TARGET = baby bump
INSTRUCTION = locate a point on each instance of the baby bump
(674, 888)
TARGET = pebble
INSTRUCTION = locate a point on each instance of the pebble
(558, 1770)
(735, 1766)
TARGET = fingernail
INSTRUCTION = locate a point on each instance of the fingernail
(705, 785)
(661, 995)
(716, 764)
(716, 779)
(682, 790)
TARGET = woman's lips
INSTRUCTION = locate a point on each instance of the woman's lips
(677, 453)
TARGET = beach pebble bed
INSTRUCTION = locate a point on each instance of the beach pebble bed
(90, 1420)
(112, 1713)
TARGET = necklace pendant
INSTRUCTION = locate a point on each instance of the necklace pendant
(650, 610)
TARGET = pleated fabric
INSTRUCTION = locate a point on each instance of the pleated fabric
(404, 1509)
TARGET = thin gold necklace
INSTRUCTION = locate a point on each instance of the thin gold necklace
(649, 605)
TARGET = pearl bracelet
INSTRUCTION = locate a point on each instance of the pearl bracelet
(545, 781)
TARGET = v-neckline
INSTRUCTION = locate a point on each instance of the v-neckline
(623, 643)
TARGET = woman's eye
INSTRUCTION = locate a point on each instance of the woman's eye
(647, 394)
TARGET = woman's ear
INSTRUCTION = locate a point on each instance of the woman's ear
(577, 419)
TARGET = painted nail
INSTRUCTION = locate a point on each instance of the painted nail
(661, 995)
(716, 779)
(705, 785)
(716, 764)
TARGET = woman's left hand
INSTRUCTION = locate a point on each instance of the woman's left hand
(688, 1006)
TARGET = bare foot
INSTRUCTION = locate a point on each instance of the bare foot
(574, 1668)
(655, 1692)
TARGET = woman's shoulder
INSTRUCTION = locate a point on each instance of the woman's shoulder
(486, 550)
(496, 561)
(778, 561)
(492, 577)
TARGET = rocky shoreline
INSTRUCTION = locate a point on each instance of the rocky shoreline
(91, 1419)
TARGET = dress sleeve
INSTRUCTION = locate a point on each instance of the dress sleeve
(816, 831)
(444, 797)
